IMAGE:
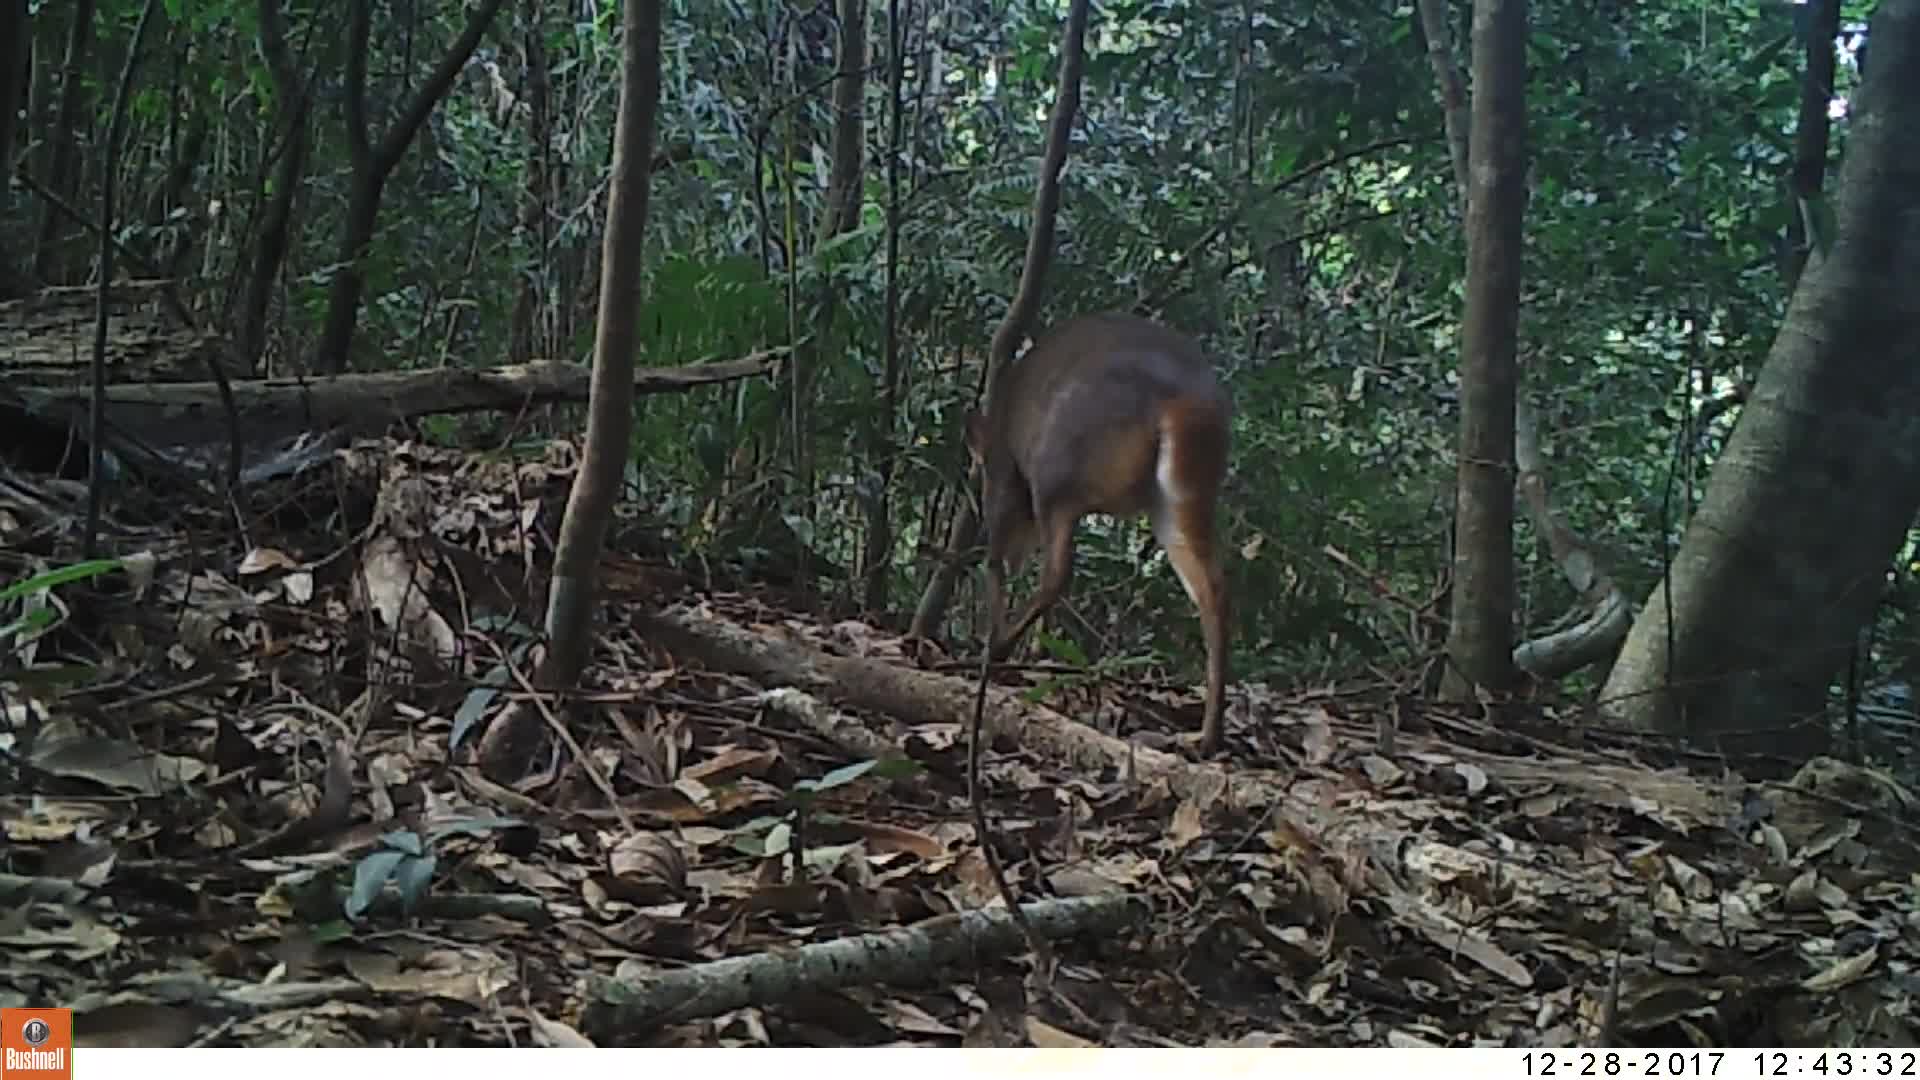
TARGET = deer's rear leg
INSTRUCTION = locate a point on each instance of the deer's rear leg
(1183, 522)
(1057, 535)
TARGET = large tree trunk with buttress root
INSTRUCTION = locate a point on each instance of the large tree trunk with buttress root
(1820, 479)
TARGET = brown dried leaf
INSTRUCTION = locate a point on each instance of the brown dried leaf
(732, 762)
(1047, 1037)
(647, 868)
(65, 749)
(884, 839)
(554, 1033)
(1318, 740)
(1186, 826)
(1843, 972)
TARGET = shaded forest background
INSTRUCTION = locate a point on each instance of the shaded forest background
(364, 187)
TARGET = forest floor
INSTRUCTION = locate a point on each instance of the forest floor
(242, 812)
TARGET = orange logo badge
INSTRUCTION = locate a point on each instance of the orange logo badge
(36, 1044)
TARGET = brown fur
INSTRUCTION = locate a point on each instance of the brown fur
(1079, 426)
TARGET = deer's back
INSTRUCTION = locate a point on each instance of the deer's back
(1084, 410)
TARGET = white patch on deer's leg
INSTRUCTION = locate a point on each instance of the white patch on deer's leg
(1180, 554)
(1165, 475)
(1166, 529)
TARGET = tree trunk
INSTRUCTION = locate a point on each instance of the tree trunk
(877, 560)
(841, 211)
(372, 164)
(178, 188)
(15, 74)
(1820, 479)
(1435, 23)
(1026, 300)
(175, 420)
(15, 27)
(1597, 633)
(536, 278)
(63, 170)
(1811, 130)
(596, 485)
(40, 78)
(270, 249)
(109, 171)
(1480, 637)
(349, 280)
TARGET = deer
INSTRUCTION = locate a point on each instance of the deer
(1109, 414)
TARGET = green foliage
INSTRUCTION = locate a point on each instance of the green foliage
(407, 859)
(775, 836)
(402, 858)
(1659, 137)
(33, 597)
(479, 700)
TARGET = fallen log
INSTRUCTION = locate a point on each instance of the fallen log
(1309, 805)
(1302, 803)
(910, 955)
(370, 400)
(172, 429)
(1341, 847)
(844, 731)
(921, 697)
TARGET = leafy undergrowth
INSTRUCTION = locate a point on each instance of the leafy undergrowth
(240, 812)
